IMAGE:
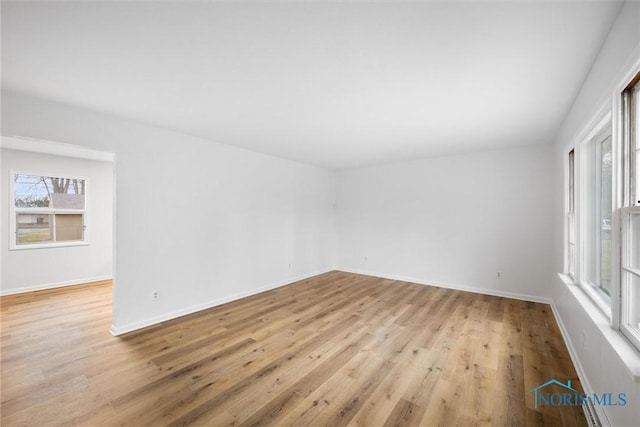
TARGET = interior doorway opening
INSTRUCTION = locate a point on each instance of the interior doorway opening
(59, 229)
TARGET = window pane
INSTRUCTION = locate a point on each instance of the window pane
(637, 173)
(572, 259)
(633, 303)
(571, 238)
(68, 227)
(572, 191)
(34, 191)
(572, 244)
(605, 215)
(634, 236)
(636, 143)
(572, 228)
(34, 228)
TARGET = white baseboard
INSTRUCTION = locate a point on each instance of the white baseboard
(484, 291)
(54, 285)
(133, 326)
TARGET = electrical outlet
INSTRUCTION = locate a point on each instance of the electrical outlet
(499, 275)
(366, 260)
(156, 294)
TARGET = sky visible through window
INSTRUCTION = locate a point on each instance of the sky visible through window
(35, 191)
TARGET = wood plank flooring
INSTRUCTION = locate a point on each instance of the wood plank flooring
(336, 349)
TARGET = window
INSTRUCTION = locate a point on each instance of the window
(602, 235)
(571, 215)
(630, 215)
(47, 211)
(630, 275)
(597, 162)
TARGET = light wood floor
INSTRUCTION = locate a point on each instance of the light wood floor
(333, 350)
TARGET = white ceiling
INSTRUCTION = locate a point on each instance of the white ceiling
(336, 84)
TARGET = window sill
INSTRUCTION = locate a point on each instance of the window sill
(628, 354)
(48, 245)
(596, 298)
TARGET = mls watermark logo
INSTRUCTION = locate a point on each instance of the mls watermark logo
(568, 396)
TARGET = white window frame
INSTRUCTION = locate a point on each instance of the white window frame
(625, 203)
(571, 234)
(613, 321)
(586, 196)
(630, 150)
(14, 211)
(627, 272)
(629, 196)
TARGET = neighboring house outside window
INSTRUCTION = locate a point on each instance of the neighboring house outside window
(47, 211)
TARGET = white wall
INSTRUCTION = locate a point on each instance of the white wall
(31, 269)
(202, 223)
(455, 221)
(199, 222)
(593, 354)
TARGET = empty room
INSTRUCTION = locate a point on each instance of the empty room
(323, 213)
